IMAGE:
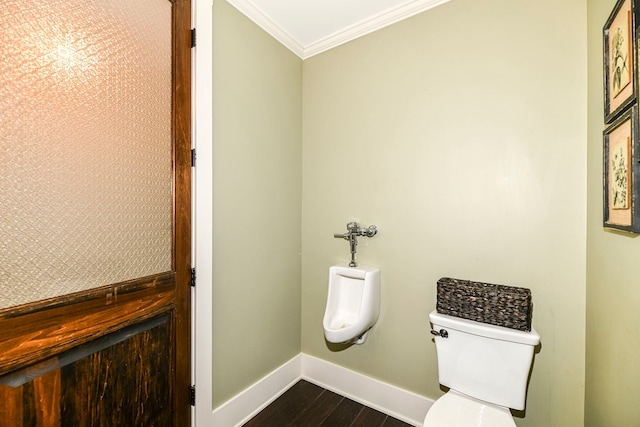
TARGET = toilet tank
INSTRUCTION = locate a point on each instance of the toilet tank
(487, 362)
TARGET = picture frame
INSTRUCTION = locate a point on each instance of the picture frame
(620, 58)
(621, 172)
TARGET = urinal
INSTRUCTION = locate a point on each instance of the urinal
(353, 303)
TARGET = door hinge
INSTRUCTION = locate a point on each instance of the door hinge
(193, 37)
(193, 395)
(193, 277)
(193, 157)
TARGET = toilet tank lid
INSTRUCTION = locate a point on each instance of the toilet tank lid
(484, 329)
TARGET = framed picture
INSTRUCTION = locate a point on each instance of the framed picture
(619, 59)
(621, 172)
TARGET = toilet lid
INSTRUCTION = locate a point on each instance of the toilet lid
(457, 410)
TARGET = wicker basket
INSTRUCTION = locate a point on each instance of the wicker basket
(500, 305)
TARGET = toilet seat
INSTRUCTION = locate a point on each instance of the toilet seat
(457, 410)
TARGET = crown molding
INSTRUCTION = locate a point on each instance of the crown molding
(371, 24)
(352, 32)
(263, 21)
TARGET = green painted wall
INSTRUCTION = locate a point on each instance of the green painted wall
(460, 133)
(257, 114)
(613, 272)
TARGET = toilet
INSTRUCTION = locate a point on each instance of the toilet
(486, 369)
(353, 303)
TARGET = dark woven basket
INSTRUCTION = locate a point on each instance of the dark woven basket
(499, 305)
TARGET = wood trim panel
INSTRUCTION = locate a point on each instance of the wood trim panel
(127, 383)
(34, 332)
(47, 408)
(37, 332)
(182, 213)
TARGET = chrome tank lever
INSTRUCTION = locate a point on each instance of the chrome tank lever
(442, 332)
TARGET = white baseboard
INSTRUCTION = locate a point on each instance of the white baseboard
(401, 404)
(246, 404)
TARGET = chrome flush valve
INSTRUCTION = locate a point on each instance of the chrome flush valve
(354, 230)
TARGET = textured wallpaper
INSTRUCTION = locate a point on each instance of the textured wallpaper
(85, 145)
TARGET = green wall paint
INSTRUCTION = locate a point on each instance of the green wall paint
(461, 134)
(613, 269)
(257, 114)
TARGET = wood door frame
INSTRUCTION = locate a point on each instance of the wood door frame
(36, 333)
(182, 46)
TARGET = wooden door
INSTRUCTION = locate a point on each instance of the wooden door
(117, 354)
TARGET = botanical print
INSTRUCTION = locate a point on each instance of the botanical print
(619, 175)
(619, 47)
(619, 66)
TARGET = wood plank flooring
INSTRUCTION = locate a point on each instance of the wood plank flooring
(308, 405)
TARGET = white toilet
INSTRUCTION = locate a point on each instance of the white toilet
(353, 303)
(486, 368)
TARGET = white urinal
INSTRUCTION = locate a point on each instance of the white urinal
(353, 303)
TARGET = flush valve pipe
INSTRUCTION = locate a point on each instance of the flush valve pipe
(353, 231)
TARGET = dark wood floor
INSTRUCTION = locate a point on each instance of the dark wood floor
(308, 405)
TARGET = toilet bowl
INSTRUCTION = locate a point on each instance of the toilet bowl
(457, 410)
(353, 303)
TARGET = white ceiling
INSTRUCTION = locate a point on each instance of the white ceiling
(309, 27)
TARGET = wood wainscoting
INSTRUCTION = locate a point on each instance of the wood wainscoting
(99, 358)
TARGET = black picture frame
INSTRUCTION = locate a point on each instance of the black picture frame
(621, 173)
(620, 59)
